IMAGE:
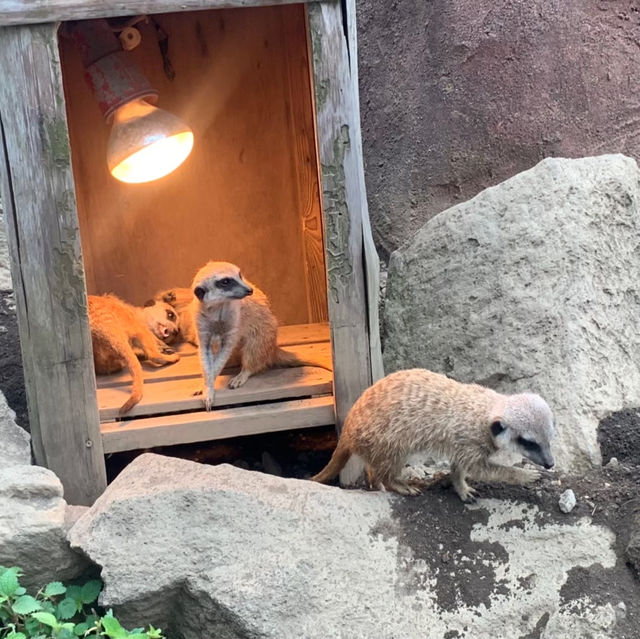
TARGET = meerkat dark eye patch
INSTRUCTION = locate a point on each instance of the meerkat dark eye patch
(171, 316)
(496, 428)
(199, 292)
(226, 283)
(527, 444)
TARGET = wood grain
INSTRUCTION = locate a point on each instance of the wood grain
(16, 12)
(38, 197)
(246, 195)
(203, 426)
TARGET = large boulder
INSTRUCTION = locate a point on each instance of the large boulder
(223, 552)
(34, 518)
(458, 96)
(532, 285)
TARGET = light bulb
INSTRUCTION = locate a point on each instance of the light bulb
(146, 143)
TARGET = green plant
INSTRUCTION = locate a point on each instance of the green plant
(59, 612)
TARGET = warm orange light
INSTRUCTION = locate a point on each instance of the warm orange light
(146, 143)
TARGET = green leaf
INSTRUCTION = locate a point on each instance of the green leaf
(90, 591)
(25, 605)
(9, 581)
(54, 588)
(112, 627)
(80, 629)
(154, 633)
(16, 635)
(137, 635)
(67, 608)
(46, 618)
(66, 632)
(32, 626)
(75, 592)
(20, 591)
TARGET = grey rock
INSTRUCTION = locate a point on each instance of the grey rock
(567, 501)
(32, 526)
(15, 443)
(458, 96)
(223, 552)
(531, 285)
(633, 547)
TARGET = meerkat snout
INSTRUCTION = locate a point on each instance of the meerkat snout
(525, 425)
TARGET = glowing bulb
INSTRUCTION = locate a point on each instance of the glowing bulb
(146, 143)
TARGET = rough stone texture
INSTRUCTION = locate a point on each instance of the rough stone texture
(245, 555)
(567, 501)
(32, 526)
(633, 548)
(15, 447)
(457, 96)
(531, 285)
(5, 268)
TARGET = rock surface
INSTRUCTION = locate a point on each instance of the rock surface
(633, 548)
(5, 268)
(240, 554)
(33, 528)
(460, 95)
(567, 501)
(15, 447)
(531, 285)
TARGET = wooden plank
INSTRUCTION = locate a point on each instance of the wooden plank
(16, 12)
(306, 164)
(344, 203)
(371, 259)
(188, 366)
(177, 396)
(203, 426)
(38, 196)
(242, 193)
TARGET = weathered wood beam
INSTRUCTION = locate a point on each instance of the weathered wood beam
(46, 259)
(16, 12)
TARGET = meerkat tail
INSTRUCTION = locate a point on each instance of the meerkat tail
(135, 370)
(337, 462)
(285, 359)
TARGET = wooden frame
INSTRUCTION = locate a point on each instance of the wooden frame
(39, 199)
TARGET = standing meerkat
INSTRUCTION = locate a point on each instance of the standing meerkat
(118, 330)
(419, 411)
(230, 313)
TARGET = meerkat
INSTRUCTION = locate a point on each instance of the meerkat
(118, 330)
(419, 411)
(162, 319)
(178, 300)
(231, 314)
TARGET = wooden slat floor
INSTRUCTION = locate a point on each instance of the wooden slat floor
(169, 413)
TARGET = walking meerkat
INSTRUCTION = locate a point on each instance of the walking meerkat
(230, 314)
(118, 330)
(419, 411)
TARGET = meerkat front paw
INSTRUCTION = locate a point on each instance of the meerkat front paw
(238, 380)
(207, 398)
(530, 475)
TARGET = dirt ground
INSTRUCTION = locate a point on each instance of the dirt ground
(610, 496)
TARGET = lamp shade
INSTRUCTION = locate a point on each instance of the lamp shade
(146, 143)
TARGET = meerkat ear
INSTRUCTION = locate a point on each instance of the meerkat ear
(149, 303)
(169, 297)
(199, 292)
(496, 427)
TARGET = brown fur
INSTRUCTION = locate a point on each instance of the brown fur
(116, 330)
(418, 411)
(239, 322)
(180, 300)
(162, 319)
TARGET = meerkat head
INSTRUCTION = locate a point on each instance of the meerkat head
(219, 282)
(524, 424)
(162, 320)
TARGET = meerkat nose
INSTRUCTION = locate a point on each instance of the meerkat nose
(547, 465)
(249, 290)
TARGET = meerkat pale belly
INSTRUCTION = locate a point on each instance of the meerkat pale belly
(420, 411)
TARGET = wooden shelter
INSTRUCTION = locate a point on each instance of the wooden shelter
(275, 184)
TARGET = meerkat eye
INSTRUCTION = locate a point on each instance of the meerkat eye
(171, 316)
(528, 444)
(225, 283)
(199, 292)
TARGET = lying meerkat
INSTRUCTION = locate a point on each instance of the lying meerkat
(117, 331)
(419, 411)
(230, 313)
(162, 319)
(178, 300)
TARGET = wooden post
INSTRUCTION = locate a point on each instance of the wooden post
(47, 270)
(343, 198)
